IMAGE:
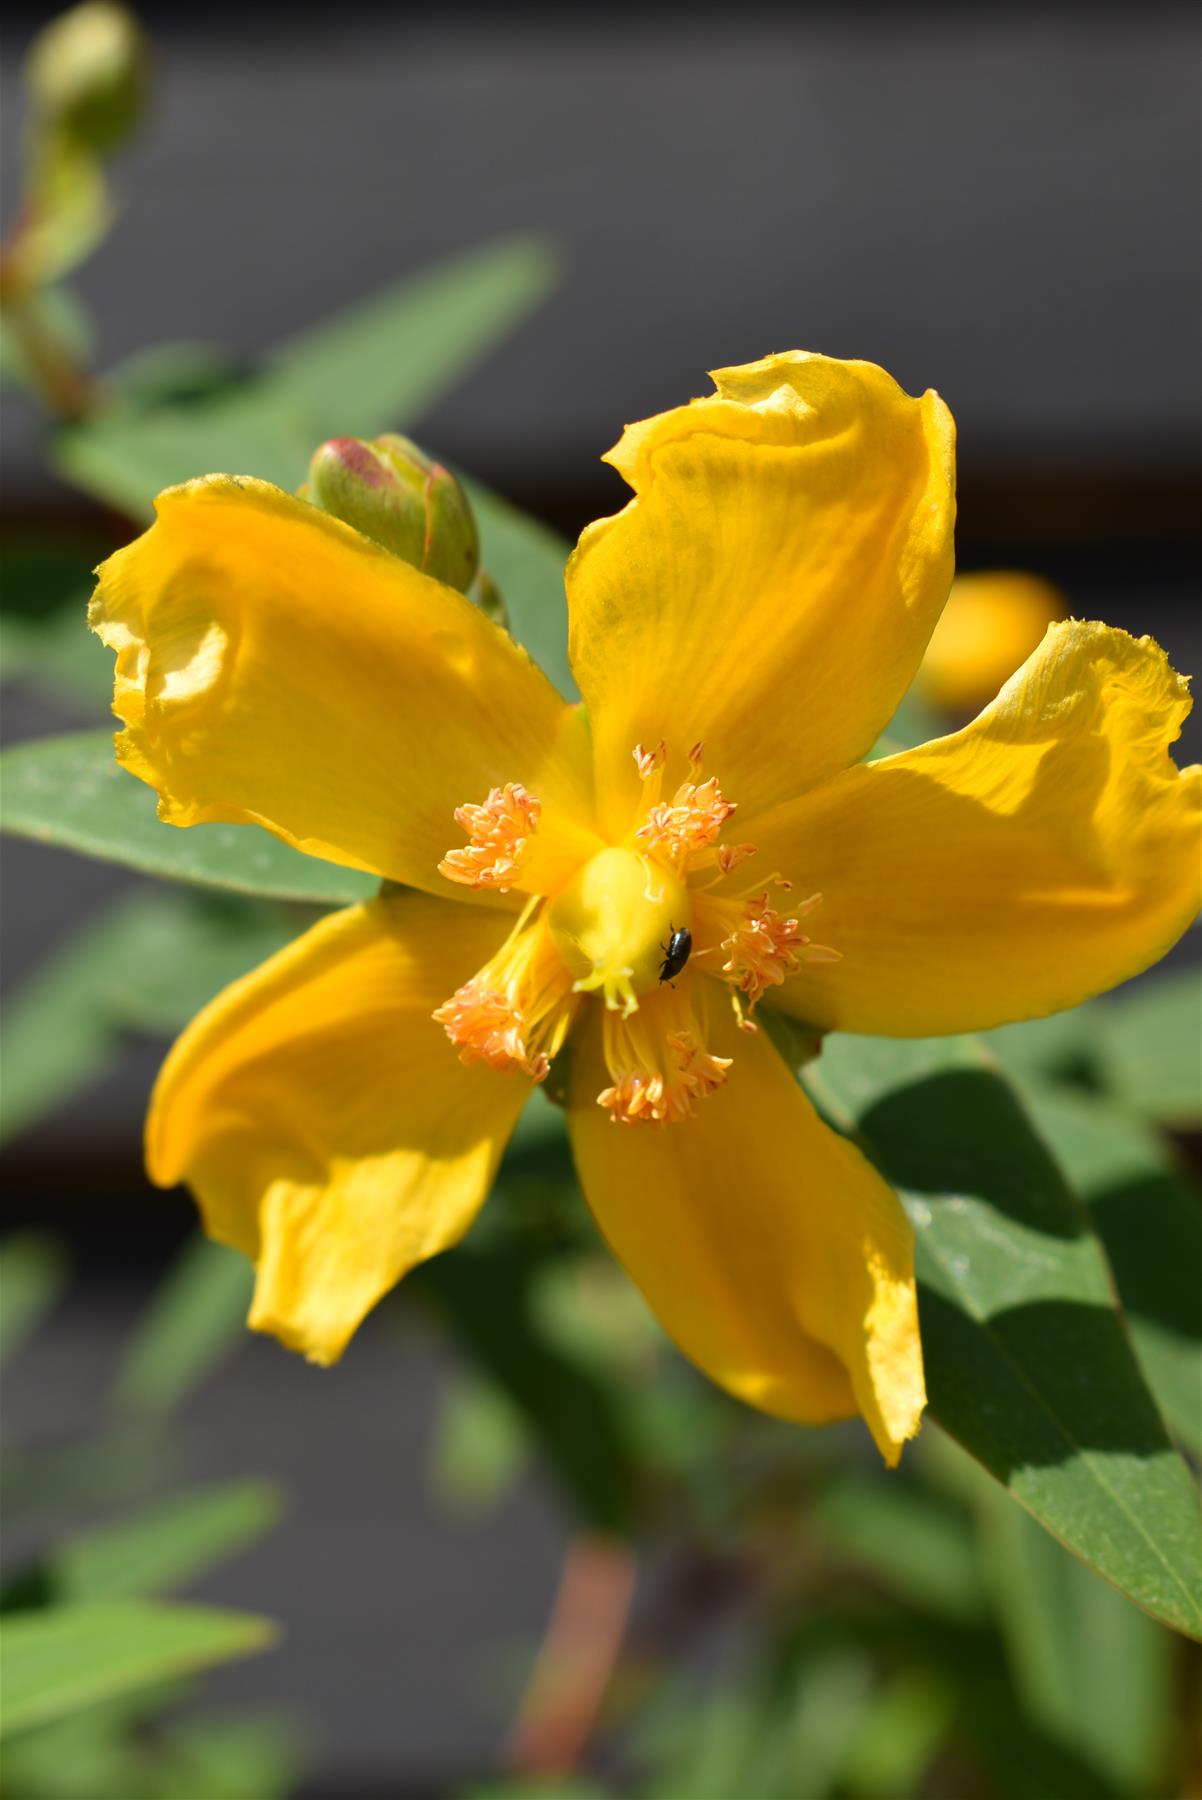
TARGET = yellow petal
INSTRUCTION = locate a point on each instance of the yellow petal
(772, 1252)
(991, 623)
(1042, 854)
(771, 588)
(324, 1122)
(275, 667)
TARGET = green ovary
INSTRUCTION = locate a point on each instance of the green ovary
(611, 924)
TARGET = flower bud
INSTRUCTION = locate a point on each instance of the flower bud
(87, 74)
(390, 491)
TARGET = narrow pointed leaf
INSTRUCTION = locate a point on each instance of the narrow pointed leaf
(383, 362)
(1091, 1669)
(373, 368)
(196, 1317)
(55, 1040)
(1028, 1363)
(147, 963)
(485, 1298)
(920, 1548)
(1152, 1048)
(33, 1273)
(1149, 1217)
(69, 791)
(55, 1660)
(527, 559)
(167, 1545)
(44, 636)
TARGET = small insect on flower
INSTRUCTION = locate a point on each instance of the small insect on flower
(677, 950)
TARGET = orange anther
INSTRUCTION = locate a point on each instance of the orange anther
(501, 832)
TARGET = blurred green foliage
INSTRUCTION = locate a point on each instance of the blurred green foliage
(95, 1659)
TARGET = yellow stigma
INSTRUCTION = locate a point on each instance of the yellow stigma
(611, 925)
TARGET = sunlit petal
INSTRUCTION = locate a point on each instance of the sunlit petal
(772, 586)
(772, 1252)
(324, 1122)
(1042, 854)
(275, 667)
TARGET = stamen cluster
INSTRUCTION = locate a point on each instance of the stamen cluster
(514, 1013)
(485, 1026)
(764, 948)
(598, 934)
(679, 831)
(502, 837)
(648, 1096)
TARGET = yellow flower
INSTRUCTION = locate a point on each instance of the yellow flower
(991, 623)
(741, 632)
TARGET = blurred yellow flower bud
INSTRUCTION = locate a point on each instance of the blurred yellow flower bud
(990, 625)
(88, 75)
(391, 491)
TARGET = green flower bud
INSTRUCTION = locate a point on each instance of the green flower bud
(390, 491)
(87, 74)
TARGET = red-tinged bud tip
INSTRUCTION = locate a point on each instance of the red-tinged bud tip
(393, 493)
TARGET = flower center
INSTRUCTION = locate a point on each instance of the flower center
(612, 923)
(623, 926)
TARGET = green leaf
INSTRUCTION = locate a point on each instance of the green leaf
(167, 1545)
(33, 1273)
(388, 359)
(1028, 1365)
(900, 1737)
(182, 946)
(1152, 1048)
(1149, 1217)
(148, 963)
(69, 791)
(138, 445)
(115, 1467)
(526, 559)
(94, 1754)
(481, 1445)
(127, 1750)
(372, 369)
(61, 658)
(44, 636)
(1091, 1669)
(54, 1040)
(920, 1548)
(773, 1740)
(197, 1316)
(229, 1759)
(1143, 1044)
(1064, 1048)
(485, 1298)
(56, 1660)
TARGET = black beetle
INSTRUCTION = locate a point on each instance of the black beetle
(677, 951)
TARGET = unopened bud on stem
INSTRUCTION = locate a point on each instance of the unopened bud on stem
(391, 491)
(88, 75)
